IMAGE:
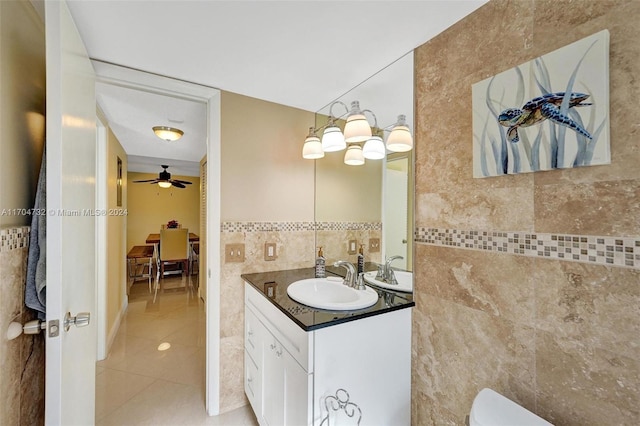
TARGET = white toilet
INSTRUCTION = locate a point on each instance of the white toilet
(492, 409)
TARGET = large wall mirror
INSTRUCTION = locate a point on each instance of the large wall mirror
(373, 201)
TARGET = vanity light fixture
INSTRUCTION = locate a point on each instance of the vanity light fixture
(167, 133)
(353, 156)
(332, 138)
(357, 130)
(312, 148)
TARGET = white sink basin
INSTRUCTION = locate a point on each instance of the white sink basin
(404, 278)
(331, 294)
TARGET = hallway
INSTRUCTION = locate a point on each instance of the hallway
(140, 384)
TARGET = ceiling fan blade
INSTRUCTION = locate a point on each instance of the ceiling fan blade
(177, 184)
(143, 181)
(182, 181)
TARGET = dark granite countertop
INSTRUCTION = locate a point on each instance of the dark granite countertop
(308, 318)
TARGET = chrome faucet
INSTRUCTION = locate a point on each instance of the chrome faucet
(388, 275)
(350, 278)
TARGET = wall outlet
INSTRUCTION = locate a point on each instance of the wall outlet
(233, 253)
(269, 251)
(352, 247)
(374, 245)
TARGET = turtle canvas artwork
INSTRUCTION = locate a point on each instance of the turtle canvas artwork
(549, 113)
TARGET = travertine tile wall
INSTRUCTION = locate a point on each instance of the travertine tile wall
(22, 359)
(558, 336)
(295, 248)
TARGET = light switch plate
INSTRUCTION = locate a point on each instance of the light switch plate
(269, 251)
(233, 253)
(374, 245)
(352, 248)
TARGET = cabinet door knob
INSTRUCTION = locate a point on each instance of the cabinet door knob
(272, 346)
(279, 353)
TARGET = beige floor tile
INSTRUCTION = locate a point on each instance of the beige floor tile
(139, 385)
(114, 388)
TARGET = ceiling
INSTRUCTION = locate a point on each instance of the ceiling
(302, 54)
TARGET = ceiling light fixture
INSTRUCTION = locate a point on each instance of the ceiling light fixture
(167, 133)
(164, 184)
(357, 130)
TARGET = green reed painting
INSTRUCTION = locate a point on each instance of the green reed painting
(549, 113)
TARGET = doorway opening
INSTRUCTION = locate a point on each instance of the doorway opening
(143, 336)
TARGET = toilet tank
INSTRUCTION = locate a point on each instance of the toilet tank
(492, 409)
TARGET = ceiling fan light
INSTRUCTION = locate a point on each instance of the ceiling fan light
(353, 156)
(333, 139)
(374, 149)
(164, 184)
(357, 128)
(400, 139)
(168, 133)
(312, 148)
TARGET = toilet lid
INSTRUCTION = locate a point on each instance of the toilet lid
(492, 409)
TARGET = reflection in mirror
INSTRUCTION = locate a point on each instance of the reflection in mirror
(374, 202)
(397, 209)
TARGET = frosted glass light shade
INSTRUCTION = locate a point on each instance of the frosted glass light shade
(374, 149)
(168, 133)
(333, 139)
(164, 184)
(312, 148)
(357, 128)
(400, 139)
(353, 156)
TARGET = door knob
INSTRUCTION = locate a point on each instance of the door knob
(80, 320)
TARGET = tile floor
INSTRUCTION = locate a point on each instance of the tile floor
(137, 384)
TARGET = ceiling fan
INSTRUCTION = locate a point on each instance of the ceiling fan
(164, 180)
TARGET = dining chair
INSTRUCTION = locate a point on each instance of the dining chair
(195, 258)
(174, 248)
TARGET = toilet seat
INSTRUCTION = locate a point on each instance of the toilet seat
(492, 409)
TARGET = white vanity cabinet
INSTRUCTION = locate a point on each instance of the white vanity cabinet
(289, 371)
(277, 381)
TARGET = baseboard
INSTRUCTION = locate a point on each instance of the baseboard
(116, 325)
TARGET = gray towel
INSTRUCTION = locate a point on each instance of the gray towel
(35, 295)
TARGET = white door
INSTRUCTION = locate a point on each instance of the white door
(396, 210)
(71, 158)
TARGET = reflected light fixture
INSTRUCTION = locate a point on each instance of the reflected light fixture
(400, 139)
(374, 148)
(353, 156)
(164, 346)
(167, 133)
(357, 128)
(312, 148)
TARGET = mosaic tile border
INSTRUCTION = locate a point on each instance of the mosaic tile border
(299, 226)
(14, 238)
(610, 251)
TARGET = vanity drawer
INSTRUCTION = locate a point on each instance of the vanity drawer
(252, 383)
(253, 336)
